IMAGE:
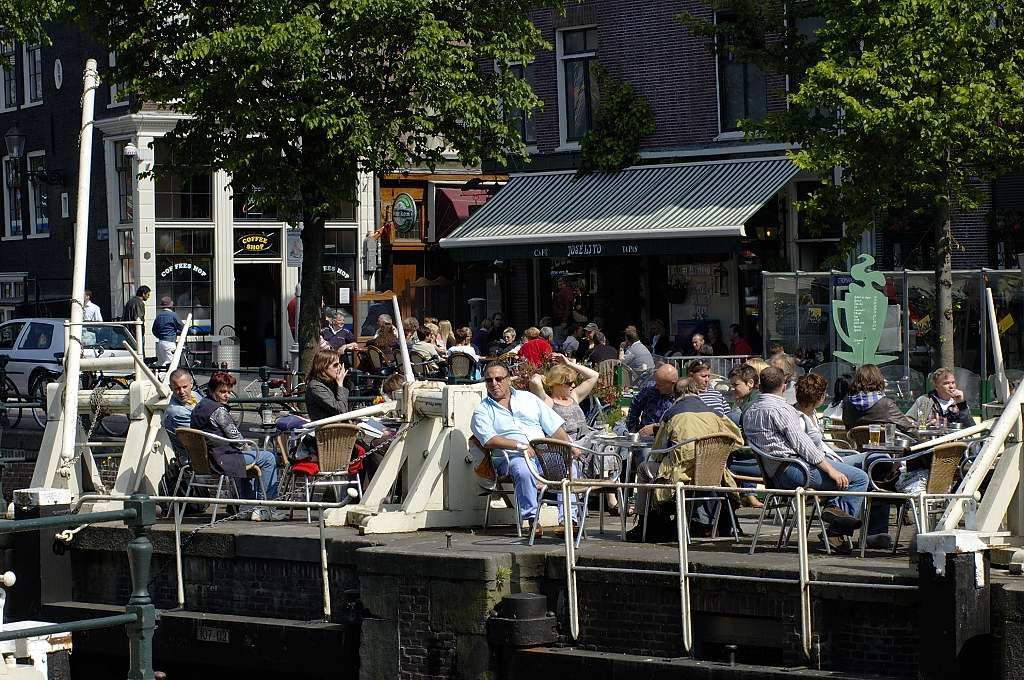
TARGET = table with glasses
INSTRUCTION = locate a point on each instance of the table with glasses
(627, 447)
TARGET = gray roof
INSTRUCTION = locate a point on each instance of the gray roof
(706, 199)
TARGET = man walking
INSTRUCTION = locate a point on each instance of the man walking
(90, 310)
(136, 307)
(166, 327)
(506, 421)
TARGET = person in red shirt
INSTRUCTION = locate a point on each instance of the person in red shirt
(739, 344)
(535, 348)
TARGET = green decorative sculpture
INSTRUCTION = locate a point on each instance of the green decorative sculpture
(865, 306)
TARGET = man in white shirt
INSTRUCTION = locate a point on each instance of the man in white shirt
(90, 310)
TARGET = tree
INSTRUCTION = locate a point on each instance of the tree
(913, 100)
(295, 99)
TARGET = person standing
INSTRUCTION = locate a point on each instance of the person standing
(136, 307)
(90, 310)
(166, 327)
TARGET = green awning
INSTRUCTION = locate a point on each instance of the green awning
(651, 209)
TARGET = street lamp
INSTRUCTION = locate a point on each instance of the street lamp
(15, 142)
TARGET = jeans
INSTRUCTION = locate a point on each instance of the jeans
(525, 486)
(267, 463)
(746, 465)
(790, 477)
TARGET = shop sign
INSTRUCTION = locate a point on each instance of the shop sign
(257, 244)
(196, 269)
(332, 269)
(588, 249)
(404, 214)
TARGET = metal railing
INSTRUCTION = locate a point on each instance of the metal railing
(804, 579)
(720, 365)
(140, 613)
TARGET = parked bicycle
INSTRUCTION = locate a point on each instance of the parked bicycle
(9, 417)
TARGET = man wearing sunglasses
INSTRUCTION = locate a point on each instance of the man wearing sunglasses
(505, 422)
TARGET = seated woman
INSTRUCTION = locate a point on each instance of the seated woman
(326, 394)
(689, 417)
(944, 401)
(386, 341)
(506, 345)
(743, 381)
(867, 404)
(211, 415)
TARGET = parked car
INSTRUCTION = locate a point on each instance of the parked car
(35, 348)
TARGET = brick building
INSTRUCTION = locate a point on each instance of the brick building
(685, 238)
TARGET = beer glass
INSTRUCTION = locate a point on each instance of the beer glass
(875, 434)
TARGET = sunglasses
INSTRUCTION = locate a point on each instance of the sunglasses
(336, 363)
(496, 380)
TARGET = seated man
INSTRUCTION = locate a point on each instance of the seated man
(505, 422)
(653, 399)
(179, 409)
(776, 428)
(424, 351)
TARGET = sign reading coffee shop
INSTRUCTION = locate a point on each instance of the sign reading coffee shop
(261, 243)
(197, 271)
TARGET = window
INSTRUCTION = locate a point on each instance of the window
(180, 197)
(126, 255)
(39, 223)
(12, 290)
(118, 93)
(33, 73)
(12, 198)
(39, 336)
(245, 208)
(339, 267)
(522, 122)
(579, 92)
(741, 88)
(125, 184)
(9, 95)
(9, 334)
(184, 272)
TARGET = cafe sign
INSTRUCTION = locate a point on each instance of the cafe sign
(178, 266)
(257, 244)
(404, 214)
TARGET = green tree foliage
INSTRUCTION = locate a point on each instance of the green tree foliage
(622, 119)
(24, 19)
(912, 100)
(296, 98)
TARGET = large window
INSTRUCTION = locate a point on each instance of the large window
(184, 272)
(126, 256)
(13, 224)
(39, 209)
(33, 73)
(338, 278)
(579, 95)
(9, 94)
(741, 88)
(523, 121)
(118, 92)
(246, 209)
(125, 184)
(180, 197)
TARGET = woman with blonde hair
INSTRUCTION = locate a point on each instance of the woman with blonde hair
(445, 336)
(758, 363)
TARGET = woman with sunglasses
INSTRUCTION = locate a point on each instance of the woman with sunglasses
(326, 394)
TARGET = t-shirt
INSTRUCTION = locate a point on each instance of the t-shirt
(535, 351)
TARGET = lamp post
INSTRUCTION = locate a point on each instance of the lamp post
(15, 142)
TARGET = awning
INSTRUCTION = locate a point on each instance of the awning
(651, 209)
(454, 206)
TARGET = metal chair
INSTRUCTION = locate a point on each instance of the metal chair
(461, 366)
(776, 502)
(557, 461)
(334, 445)
(942, 473)
(204, 476)
(497, 486)
(711, 454)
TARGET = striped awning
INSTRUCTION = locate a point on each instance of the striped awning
(678, 201)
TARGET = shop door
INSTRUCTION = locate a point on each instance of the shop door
(258, 313)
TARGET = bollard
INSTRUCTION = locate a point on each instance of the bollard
(953, 573)
(140, 555)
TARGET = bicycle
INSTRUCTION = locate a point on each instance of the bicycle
(9, 417)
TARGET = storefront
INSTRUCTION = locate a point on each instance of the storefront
(659, 242)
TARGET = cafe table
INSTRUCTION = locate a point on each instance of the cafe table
(627, 447)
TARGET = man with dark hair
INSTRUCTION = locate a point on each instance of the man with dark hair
(601, 351)
(774, 427)
(505, 422)
(90, 310)
(635, 356)
(136, 307)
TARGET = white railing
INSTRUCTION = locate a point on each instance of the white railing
(803, 580)
(720, 365)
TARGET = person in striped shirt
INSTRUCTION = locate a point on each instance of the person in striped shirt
(700, 373)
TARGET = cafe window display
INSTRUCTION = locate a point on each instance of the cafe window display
(184, 272)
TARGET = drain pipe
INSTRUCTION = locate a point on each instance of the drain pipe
(73, 350)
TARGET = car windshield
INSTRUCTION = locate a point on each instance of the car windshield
(107, 337)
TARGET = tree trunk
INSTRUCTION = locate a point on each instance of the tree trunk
(944, 286)
(312, 289)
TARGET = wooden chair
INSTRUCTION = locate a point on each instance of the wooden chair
(497, 486)
(711, 455)
(334, 445)
(606, 372)
(941, 476)
(204, 476)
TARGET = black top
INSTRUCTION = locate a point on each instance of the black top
(602, 353)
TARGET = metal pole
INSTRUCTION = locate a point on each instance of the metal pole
(805, 586)
(406, 363)
(906, 326)
(684, 567)
(1001, 383)
(140, 556)
(764, 314)
(984, 294)
(72, 350)
(179, 511)
(796, 299)
(323, 571)
(570, 568)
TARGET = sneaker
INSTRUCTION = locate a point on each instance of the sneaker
(257, 514)
(269, 515)
(879, 542)
(839, 545)
(840, 520)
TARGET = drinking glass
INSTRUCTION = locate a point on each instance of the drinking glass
(875, 434)
(922, 419)
(890, 433)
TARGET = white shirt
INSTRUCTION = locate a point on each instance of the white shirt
(465, 349)
(91, 312)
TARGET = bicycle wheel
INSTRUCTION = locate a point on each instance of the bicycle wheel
(11, 416)
(37, 392)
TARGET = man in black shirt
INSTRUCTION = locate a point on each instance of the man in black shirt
(601, 350)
